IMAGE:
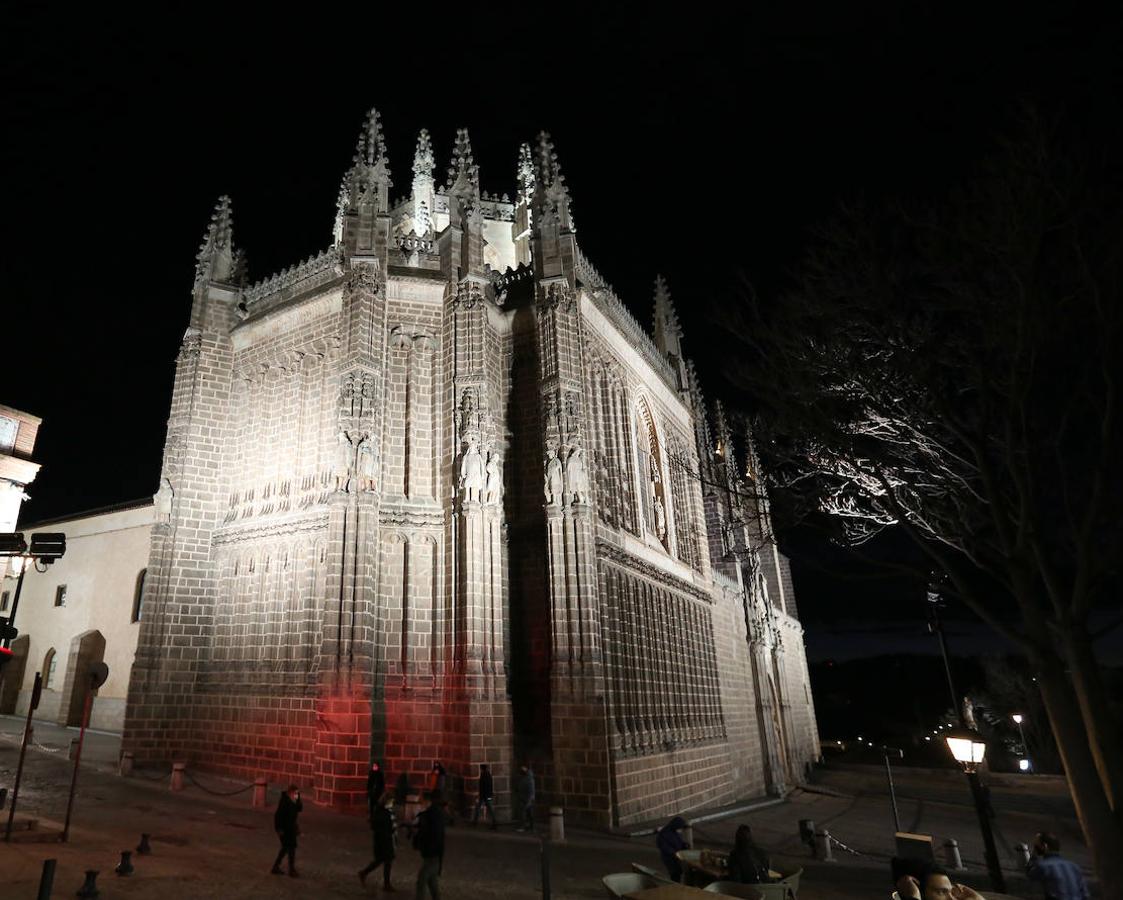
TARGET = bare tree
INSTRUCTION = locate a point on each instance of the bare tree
(953, 373)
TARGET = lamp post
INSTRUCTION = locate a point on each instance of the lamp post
(968, 751)
(1018, 717)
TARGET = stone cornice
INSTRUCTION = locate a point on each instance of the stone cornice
(614, 555)
(279, 528)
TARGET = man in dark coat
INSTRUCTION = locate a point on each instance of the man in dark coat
(670, 841)
(485, 796)
(284, 823)
(382, 829)
(376, 787)
(430, 843)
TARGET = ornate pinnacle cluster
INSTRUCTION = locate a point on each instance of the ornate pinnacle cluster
(463, 173)
(550, 194)
(368, 178)
(423, 159)
(526, 172)
(668, 330)
(217, 259)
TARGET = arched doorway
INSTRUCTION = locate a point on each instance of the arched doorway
(85, 650)
(13, 674)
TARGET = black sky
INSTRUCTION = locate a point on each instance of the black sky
(702, 146)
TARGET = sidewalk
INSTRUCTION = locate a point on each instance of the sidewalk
(210, 845)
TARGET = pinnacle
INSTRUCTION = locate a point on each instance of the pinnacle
(463, 165)
(217, 258)
(526, 170)
(371, 147)
(423, 159)
(549, 171)
(665, 316)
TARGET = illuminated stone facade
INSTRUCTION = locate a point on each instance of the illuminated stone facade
(435, 494)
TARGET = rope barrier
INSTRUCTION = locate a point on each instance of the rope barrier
(240, 790)
(842, 846)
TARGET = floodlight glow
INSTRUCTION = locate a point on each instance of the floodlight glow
(1023, 764)
(1017, 717)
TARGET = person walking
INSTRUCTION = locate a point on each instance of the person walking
(376, 787)
(430, 843)
(1061, 877)
(382, 833)
(669, 841)
(284, 823)
(485, 796)
(524, 791)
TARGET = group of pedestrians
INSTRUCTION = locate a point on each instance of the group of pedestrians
(427, 829)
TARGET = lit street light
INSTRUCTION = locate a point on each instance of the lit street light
(969, 751)
(1018, 717)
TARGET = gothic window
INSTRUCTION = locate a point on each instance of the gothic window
(649, 469)
(138, 595)
(50, 662)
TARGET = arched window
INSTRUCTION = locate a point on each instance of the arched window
(649, 468)
(138, 595)
(50, 662)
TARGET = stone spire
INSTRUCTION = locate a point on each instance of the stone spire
(422, 192)
(668, 331)
(551, 196)
(217, 259)
(367, 181)
(525, 173)
(723, 449)
(423, 159)
(463, 173)
(702, 437)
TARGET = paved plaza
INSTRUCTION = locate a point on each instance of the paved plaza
(209, 845)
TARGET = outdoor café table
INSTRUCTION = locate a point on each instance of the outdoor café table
(670, 892)
(717, 873)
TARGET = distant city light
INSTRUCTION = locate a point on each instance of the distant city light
(927, 737)
(1023, 764)
(1017, 717)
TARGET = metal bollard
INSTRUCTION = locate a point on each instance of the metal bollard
(260, 785)
(1023, 853)
(412, 802)
(823, 846)
(951, 855)
(46, 880)
(177, 776)
(73, 751)
(557, 825)
(143, 848)
(544, 860)
(125, 866)
(125, 766)
(89, 887)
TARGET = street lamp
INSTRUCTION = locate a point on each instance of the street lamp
(1018, 717)
(969, 751)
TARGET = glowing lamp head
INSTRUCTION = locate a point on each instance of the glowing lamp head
(966, 747)
(1017, 717)
(1023, 765)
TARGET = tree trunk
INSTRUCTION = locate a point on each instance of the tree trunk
(1102, 830)
(1099, 718)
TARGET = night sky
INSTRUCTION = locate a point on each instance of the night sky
(707, 151)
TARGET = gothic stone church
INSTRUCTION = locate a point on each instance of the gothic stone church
(435, 494)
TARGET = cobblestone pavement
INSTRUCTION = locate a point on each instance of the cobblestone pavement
(207, 845)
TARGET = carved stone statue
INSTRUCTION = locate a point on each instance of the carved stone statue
(660, 518)
(493, 489)
(555, 482)
(163, 501)
(472, 472)
(576, 476)
(344, 461)
(368, 466)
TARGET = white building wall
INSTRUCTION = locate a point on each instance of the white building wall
(105, 553)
